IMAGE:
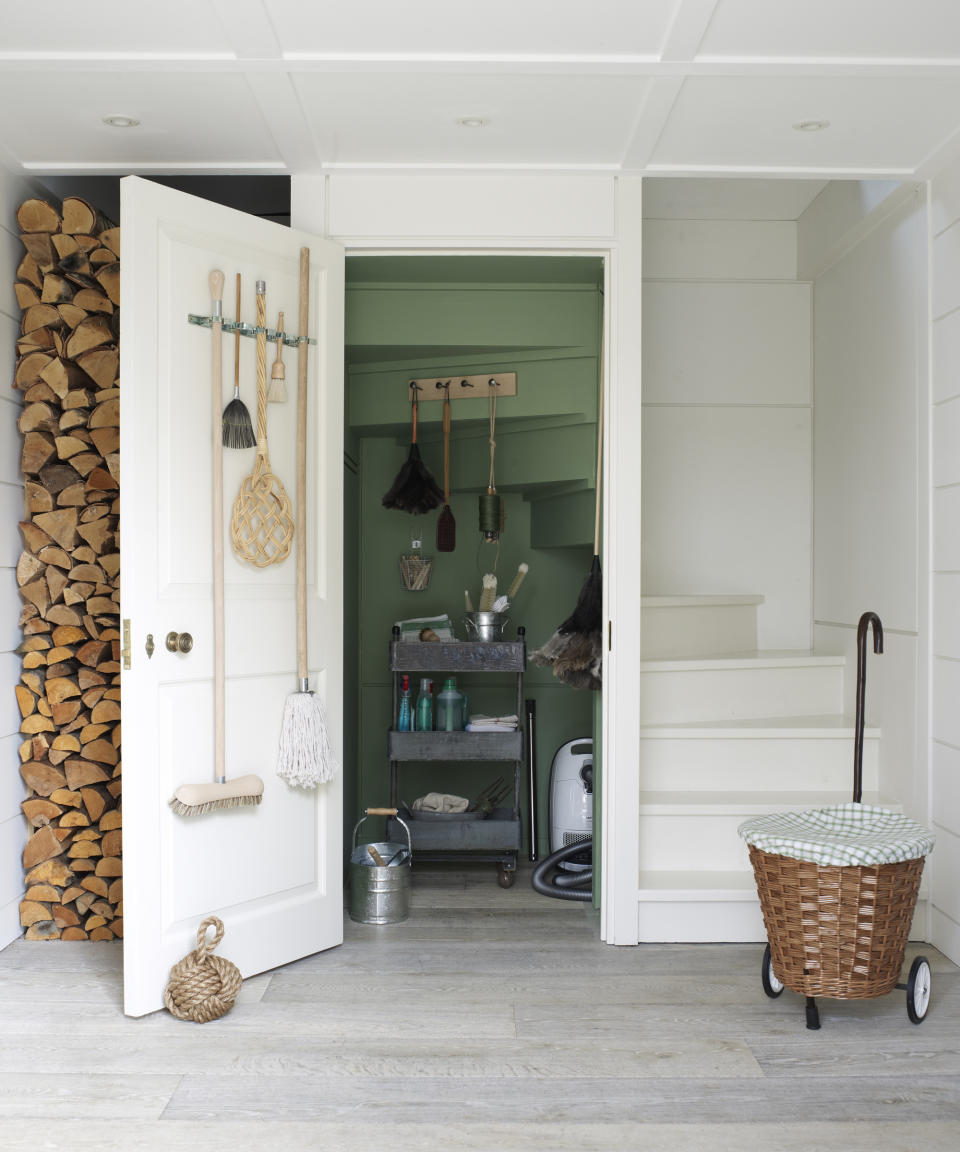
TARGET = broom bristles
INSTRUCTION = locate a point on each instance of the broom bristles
(237, 426)
(306, 758)
(182, 809)
(575, 650)
(196, 799)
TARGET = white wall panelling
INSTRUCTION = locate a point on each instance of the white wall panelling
(719, 249)
(726, 343)
(726, 509)
(12, 824)
(945, 508)
(869, 370)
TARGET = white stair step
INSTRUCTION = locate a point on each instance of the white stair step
(674, 626)
(781, 752)
(714, 907)
(699, 907)
(742, 686)
(682, 831)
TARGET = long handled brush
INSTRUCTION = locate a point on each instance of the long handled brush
(446, 525)
(196, 799)
(277, 393)
(414, 489)
(306, 758)
(575, 650)
(237, 425)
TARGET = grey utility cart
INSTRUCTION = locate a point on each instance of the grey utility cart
(471, 836)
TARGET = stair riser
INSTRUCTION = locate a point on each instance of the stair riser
(700, 630)
(702, 922)
(786, 764)
(693, 843)
(678, 697)
(721, 921)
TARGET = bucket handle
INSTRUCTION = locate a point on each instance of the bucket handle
(384, 812)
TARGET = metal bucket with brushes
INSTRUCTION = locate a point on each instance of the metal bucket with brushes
(380, 876)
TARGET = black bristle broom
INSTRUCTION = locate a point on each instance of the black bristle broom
(575, 650)
(414, 490)
(236, 422)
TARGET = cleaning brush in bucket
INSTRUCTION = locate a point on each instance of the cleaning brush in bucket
(197, 799)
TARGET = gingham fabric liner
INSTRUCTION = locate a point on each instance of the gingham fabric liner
(846, 834)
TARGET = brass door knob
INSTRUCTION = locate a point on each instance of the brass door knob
(179, 642)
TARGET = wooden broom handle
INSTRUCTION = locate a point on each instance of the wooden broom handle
(303, 353)
(596, 514)
(219, 673)
(446, 446)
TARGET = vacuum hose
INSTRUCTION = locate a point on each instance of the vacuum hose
(563, 885)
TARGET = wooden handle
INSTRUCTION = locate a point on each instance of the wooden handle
(381, 812)
(414, 405)
(375, 856)
(236, 343)
(261, 374)
(300, 531)
(446, 447)
(219, 672)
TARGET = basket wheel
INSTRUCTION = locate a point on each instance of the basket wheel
(506, 877)
(918, 989)
(771, 985)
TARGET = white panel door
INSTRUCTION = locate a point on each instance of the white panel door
(271, 872)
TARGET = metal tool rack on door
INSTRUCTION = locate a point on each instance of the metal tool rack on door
(497, 837)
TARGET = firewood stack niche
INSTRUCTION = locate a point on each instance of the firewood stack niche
(68, 290)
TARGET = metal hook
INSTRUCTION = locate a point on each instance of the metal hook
(493, 383)
(465, 384)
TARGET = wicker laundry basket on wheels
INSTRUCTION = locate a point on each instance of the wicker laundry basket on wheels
(838, 887)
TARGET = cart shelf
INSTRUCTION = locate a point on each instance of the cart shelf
(455, 745)
(497, 838)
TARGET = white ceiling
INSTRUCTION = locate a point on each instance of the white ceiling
(664, 87)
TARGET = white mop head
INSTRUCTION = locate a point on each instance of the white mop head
(306, 758)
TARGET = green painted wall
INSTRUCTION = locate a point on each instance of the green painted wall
(545, 450)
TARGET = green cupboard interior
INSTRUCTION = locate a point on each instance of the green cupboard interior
(416, 317)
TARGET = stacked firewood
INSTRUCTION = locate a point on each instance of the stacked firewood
(68, 289)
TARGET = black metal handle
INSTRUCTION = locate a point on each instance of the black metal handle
(866, 620)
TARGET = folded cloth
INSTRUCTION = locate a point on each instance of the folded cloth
(441, 626)
(440, 802)
(480, 723)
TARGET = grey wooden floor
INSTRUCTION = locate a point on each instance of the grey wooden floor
(490, 1020)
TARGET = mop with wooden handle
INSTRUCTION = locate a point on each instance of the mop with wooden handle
(196, 799)
(306, 758)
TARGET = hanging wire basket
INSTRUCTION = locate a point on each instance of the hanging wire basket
(415, 571)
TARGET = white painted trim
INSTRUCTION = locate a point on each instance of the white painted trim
(310, 196)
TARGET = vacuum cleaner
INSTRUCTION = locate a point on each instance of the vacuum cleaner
(567, 873)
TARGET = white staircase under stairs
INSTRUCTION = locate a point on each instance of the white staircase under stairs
(728, 732)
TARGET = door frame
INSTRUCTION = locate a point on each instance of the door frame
(609, 226)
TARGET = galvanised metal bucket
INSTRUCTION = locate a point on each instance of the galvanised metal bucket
(380, 893)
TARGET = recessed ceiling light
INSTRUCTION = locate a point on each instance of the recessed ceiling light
(118, 121)
(472, 122)
(811, 125)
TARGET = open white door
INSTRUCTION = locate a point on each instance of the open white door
(272, 873)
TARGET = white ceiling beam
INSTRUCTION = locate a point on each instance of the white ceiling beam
(652, 117)
(248, 29)
(287, 122)
(691, 19)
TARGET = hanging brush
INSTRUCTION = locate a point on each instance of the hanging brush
(236, 422)
(278, 374)
(414, 490)
(491, 504)
(446, 525)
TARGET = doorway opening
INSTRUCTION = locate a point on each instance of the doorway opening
(435, 318)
